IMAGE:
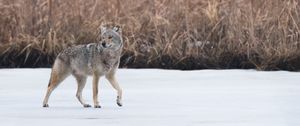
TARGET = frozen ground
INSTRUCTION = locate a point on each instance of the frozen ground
(156, 97)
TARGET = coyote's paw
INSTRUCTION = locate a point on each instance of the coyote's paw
(97, 106)
(87, 105)
(45, 105)
(119, 103)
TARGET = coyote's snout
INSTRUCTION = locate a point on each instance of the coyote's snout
(95, 59)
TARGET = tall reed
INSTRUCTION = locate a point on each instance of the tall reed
(171, 34)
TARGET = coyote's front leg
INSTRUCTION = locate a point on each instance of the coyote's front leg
(112, 79)
(96, 78)
(81, 81)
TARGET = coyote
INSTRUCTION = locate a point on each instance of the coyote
(96, 59)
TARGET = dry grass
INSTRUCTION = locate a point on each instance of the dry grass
(177, 34)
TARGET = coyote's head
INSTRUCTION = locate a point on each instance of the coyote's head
(111, 37)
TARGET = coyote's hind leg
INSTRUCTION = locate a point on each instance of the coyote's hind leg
(58, 74)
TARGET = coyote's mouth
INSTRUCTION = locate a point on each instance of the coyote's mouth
(104, 45)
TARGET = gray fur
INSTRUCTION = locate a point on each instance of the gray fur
(87, 59)
(96, 59)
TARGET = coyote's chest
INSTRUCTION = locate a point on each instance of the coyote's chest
(102, 59)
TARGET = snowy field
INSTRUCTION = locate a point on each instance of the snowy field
(155, 97)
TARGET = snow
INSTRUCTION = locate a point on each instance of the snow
(156, 97)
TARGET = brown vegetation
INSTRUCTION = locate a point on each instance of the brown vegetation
(175, 34)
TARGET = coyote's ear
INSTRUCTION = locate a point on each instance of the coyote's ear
(102, 29)
(117, 28)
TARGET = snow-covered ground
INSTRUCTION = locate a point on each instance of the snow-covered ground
(156, 97)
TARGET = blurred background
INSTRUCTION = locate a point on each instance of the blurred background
(169, 34)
